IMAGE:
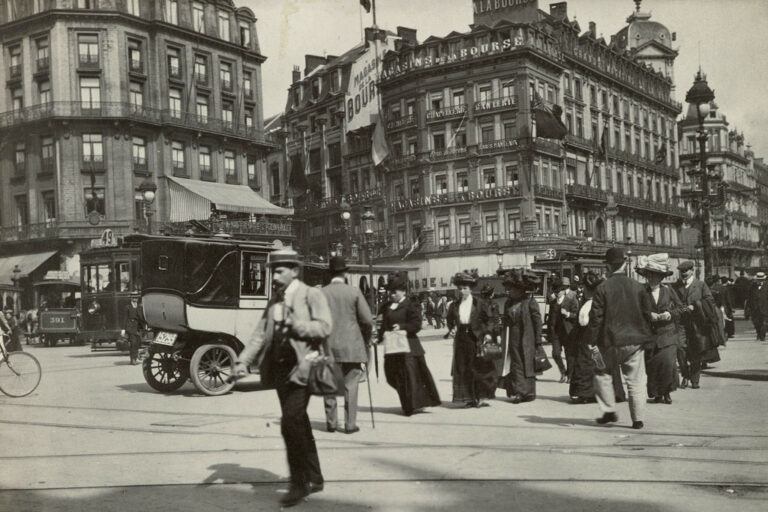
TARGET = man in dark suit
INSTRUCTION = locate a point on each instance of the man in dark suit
(348, 342)
(618, 325)
(134, 322)
(697, 322)
(759, 301)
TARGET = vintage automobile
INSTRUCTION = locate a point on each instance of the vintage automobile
(110, 275)
(56, 312)
(203, 298)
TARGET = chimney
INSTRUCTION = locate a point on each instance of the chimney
(593, 29)
(311, 62)
(296, 75)
(408, 35)
(559, 10)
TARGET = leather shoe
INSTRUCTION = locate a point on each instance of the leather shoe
(330, 429)
(684, 384)
(563, 378)
(352, 430)
(295, 494)
(608, 417)
(637, 425)
(316, 487)
(695, 386)
(667, 399)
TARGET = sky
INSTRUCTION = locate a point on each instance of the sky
(725, 37)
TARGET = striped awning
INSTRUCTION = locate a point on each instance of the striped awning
(193, 199)
(27, 263)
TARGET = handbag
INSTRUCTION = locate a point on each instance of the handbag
(396, 342)
(325, 376)
(540, 361)
(490, 351)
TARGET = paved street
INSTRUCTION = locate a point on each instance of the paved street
(95, 437)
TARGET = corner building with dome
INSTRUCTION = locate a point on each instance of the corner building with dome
(468, 176)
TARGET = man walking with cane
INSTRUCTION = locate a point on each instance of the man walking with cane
(348, 342)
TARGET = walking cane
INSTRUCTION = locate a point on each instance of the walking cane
(370, 398)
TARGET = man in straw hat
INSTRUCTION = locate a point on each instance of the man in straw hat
(297, 320)
(758, 305)
(618, 325)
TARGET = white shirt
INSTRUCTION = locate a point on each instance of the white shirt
(465, 309)
(688, 281)
(655, 294)
(584, 313)
(278, 310)
(394, 305)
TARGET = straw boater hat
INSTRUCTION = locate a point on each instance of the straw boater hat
(760, 276)
(464, 279)
(284, 257)
(654, 263)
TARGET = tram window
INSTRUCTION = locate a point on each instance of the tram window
(98, 278)
(136, 276)
(124, 277)
(254, 274)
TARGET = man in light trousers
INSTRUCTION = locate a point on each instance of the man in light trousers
(619, 328)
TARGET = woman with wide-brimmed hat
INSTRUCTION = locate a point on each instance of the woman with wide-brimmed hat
(474, 378)
(407, 371)
(522, 333)
(664, 317)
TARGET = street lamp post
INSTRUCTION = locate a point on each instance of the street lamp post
(148, 191)
(699, 97)
(368, 218)
(499, 257)
(17, 298)
(346, 214)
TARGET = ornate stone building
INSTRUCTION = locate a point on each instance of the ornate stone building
(99, 96)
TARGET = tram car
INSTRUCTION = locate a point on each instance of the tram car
(56, 309)
(499, 292)
(110, 274)
(570, 263)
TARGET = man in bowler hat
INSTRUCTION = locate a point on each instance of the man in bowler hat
(618, 325)
(348, 342)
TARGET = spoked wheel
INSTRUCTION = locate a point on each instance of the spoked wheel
(210, 368)
(19, 374)
(164, 373)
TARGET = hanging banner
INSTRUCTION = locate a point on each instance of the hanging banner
(361, 100)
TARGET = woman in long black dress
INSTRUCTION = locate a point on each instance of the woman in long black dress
(582, 388)
(522, 333)
(474, 378)
(407, 372)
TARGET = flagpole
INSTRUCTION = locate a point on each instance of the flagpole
(373, 8)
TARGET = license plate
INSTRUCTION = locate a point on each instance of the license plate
(165, 338)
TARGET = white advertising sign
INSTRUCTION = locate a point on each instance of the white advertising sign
(361, 99)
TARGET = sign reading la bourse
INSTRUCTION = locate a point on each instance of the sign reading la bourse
(490, 6)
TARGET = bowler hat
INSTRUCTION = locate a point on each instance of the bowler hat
(285, 258)
(656, 263)
(565, 282)
(464, 279)
(685, 266)
(396, 282)
(614, 255)
(337, 264)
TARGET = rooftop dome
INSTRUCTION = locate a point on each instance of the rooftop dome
(640, 30)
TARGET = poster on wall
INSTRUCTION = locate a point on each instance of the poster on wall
(361, 101)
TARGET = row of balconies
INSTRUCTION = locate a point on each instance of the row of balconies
(401, 204)
(123, 110)
(55, 229)
(454, 111)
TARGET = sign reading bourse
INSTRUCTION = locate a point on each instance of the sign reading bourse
(361, 99)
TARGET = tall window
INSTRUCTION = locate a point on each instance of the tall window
(458, 97)
(444, 234)
(43, 53)
(17, 99)
(139, 151)
(177, 154)
(508, 89)
(247, 85)
(275, 171)
(174, 101)
(248, 112)
(229, 164)
(90, 93)
(94, 201)
(202, 108)
(201, 68)
(253, 177)
(139, 206)
(20, 157)
(245, 35)
(513, 223)
(462, 182)
(465, 232)
(93, 148)
(88, 48)
(225, 74)
(85, 4)
(485, 93)
(174, 62)
(441, 184)
(134, 55)
(509, 130)
(38, 6)
(486, 134)
(513, 179)
(171, 12)
(226, 115)
(44, 91)
(198, 17)
(438, 141)
(134, 8)
(136, 95)
(489, 179)
(491, 228)
(49, 207)
(204, 160)
(46, 152)
(22, 214)
(224, 25)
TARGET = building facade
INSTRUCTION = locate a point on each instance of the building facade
(735, 221)
(469, 177)
(761, 175)
(100, 95)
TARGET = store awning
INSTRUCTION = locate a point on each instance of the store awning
(26, 262)
(192, 200)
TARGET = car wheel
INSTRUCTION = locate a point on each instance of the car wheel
(211, 367)
(164, 373)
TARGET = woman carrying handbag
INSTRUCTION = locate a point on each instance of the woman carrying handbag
(474, 376)
(406, 369)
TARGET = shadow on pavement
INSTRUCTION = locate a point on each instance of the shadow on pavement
(229, 473)
(564, 422)
(760, 375)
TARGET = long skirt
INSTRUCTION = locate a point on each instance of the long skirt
(515, 382)
(582, 379)
(661, 367)
(474, 378)
(410, 377)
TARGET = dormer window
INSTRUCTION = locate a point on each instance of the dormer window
(297, 95)
(316, 88)
(336, 80)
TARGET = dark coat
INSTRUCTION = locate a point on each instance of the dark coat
(480, 321)
(352, 323)
(531, 332)
(700, 323)
(408, 316)
(134, 319)
(667, 332)
(619, 313)
(762, 299)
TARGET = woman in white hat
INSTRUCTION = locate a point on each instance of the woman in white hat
(661, 357)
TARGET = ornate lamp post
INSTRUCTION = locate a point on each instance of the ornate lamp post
(16, 272)
(368, 219)
(346, 214)
(148, 191)
(499, 257)
(698, 97)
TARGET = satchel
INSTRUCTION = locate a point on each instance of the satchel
(540, 361)
(396, 342)
(325, 377)
(490, 351)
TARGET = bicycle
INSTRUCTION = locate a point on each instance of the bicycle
(20, 372)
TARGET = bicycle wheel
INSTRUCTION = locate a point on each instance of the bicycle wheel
(19, 374)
